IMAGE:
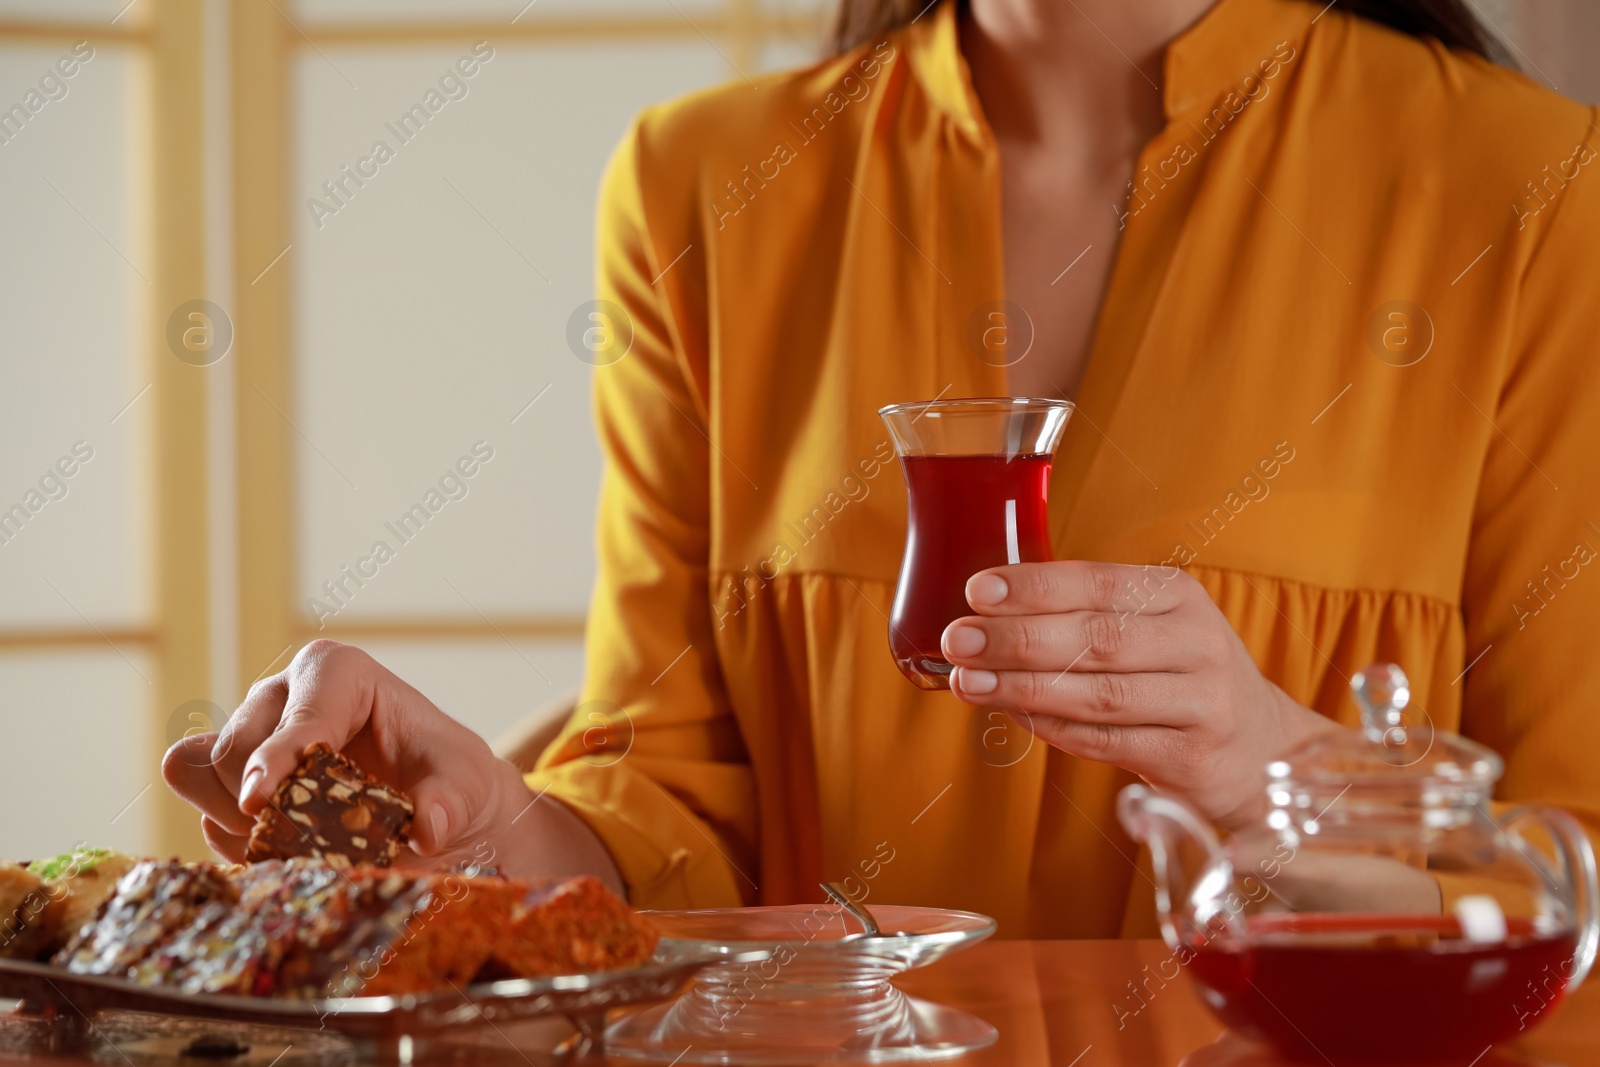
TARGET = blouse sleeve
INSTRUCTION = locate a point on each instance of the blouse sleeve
(1531, 591)
(652, 759)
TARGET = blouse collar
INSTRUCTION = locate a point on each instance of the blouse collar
(1230, 43)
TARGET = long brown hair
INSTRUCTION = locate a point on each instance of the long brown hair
(1451, 22)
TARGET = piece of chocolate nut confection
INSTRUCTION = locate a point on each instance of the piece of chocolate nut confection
(152, 903)
(329, 807)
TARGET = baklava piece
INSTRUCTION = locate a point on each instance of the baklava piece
(76, 883)
(23, 933)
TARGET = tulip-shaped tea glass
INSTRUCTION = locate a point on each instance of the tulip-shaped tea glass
(977, 478)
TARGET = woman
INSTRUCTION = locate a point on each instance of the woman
(1316, 281)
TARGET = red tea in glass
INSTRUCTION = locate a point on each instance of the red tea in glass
(977, 481)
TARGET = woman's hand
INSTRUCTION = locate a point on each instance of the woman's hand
(1133, 666)
(467, 800)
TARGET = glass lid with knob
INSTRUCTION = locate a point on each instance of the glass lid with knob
(1397, 757)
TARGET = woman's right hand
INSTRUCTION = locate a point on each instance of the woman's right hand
(467, 799)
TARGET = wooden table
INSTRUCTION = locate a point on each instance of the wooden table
(1053, 1002)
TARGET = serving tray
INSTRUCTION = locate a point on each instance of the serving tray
(387, 1022)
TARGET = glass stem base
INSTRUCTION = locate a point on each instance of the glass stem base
(728, 1016)
(926, 672)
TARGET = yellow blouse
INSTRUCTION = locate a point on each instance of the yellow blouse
(1346, 374)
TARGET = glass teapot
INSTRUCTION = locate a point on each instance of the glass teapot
(1379, 911)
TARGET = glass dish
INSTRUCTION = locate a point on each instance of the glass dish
(822, 995)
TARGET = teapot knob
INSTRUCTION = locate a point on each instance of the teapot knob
(1383, 692)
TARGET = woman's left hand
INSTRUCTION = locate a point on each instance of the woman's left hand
(1133, 666)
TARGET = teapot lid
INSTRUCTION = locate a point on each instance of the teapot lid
(1391, 749)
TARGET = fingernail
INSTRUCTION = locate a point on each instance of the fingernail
(986, 589)
(964, 640)
(440, 821)
(976, 682)
(251, 780)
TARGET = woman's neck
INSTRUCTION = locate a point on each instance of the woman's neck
(1086, 72)
(1072, 91)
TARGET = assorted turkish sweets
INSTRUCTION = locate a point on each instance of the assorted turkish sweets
(302, 928)
(317, 913)
(305, 929)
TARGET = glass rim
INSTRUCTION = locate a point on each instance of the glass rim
(980, 403)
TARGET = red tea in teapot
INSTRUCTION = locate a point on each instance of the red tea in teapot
(1376, 988)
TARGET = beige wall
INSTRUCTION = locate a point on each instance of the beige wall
(1558, 43)
(419, 320)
